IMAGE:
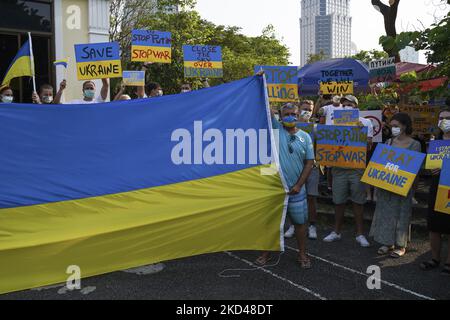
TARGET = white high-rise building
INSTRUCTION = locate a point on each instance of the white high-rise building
(409, 54)
(325, 26)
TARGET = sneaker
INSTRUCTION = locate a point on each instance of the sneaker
(362, 241)
(333, 236)
(312, 232)
(290, 232)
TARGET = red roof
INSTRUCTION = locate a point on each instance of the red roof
(404, 67)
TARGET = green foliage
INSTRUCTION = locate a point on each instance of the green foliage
(367, 56)
(316, 57)
(240, 53)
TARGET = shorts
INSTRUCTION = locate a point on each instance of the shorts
(347, 185)
(312, 184)
(298, 208)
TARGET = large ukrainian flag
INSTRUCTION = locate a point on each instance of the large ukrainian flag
(21, 66)
(96, 185)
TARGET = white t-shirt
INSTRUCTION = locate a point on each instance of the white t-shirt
(99, 99)
(328, 113)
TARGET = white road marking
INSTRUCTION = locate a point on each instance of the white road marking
(390, 284)
(146, 270)
(296, 285)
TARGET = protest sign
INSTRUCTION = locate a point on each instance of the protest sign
(134, 78)
(307, 127)
(424, 118)
(151, 46)
(393, 169)
(383, 70)
(438, 150)
(98, 61)
(376, 117)
(443, 194)
(282, 82)
(336, 81)
(341, 146)
(203, 61)
(346, 117)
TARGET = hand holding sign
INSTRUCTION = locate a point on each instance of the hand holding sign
(98, 61)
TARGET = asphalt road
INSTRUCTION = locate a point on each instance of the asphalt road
(339, 272)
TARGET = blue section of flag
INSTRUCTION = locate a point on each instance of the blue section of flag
(97, 52)
(93, 150)
(60, 63)
(202, 53)
(406, 160)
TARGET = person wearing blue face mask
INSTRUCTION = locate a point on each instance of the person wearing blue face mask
(6, 95)
(296, 155)
(89, 92)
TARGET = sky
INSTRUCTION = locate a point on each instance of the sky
(367, 26)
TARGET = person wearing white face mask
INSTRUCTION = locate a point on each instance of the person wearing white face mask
(89, 91)
(438, 222)
(45, 95)
(390, 224)
(6, 95)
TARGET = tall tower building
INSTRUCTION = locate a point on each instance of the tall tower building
(325, 26)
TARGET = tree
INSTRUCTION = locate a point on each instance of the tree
(316, 57)
(240, 53)
(390, 17)
(367, 56)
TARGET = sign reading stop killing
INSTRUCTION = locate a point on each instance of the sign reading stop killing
(282, 82)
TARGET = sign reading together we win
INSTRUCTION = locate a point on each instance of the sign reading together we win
(336, 81)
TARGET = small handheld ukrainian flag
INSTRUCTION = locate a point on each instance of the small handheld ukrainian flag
(62, 62)
(22, 65)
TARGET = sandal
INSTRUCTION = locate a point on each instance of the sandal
(446, 270)
(385, 250)
(262, 261)
(398, 253)
(429, 265)
(304, 263)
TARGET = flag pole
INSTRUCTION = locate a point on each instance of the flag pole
(32, 61)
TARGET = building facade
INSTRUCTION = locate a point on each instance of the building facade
(409, 54)
(325, 26)
(55, 26)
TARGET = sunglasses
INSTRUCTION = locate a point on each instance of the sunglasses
(291, 140)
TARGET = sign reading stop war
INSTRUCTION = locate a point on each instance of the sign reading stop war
(203, 61)
(341, 146)
(282, 82)
(443, 194)
(393, 169)
(98, 61)
(336, 81)
(151, 46)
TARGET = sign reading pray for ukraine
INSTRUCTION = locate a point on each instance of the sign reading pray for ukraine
(98, 61)
(341, 146)
(443, 195)
(203, 61)
(336, 81)
(346, 117)
(134, 78)
(282, 82)
(151, 46)
(437, 151)
(393, 169)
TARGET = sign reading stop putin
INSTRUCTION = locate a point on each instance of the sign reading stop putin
(282, 82)
(151, 46)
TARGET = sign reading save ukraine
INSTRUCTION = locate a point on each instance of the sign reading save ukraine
(341, 146)
(203, 61)
(151, 46)
(282, 82)
(443, 195)
(98, 61)
(393, 169)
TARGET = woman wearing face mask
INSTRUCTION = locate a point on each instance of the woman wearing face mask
(438, 223)
(6, 95)
(390, 225)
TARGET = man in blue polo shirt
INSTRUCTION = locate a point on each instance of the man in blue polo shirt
(296, 155)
